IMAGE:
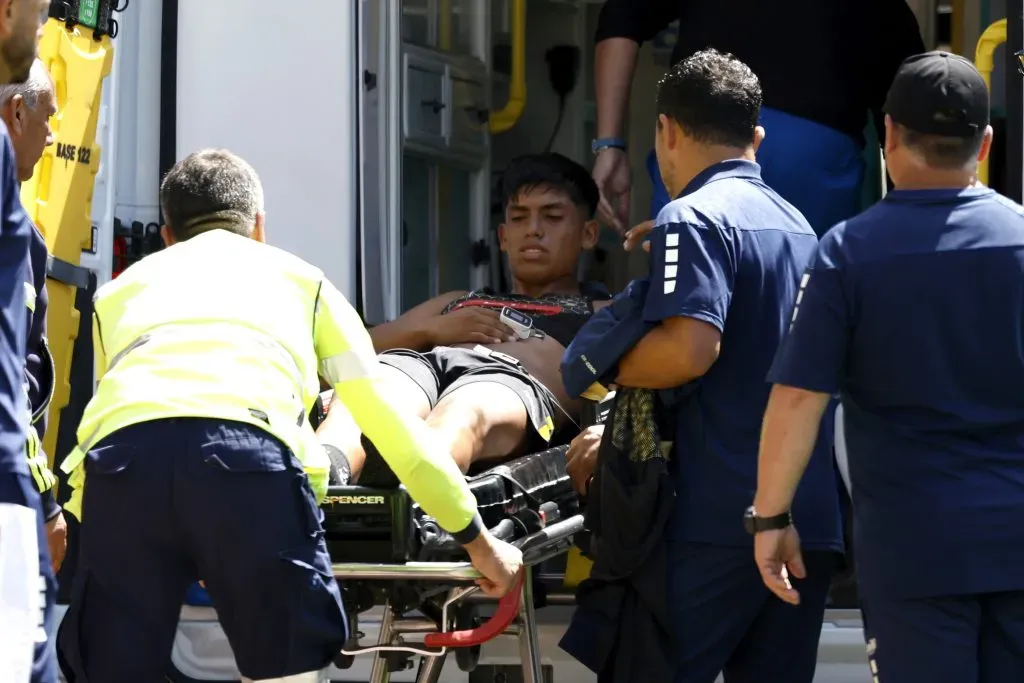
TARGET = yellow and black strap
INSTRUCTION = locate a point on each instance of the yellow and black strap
(42, 476)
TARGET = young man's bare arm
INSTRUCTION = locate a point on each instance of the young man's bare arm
(423, 328)
(414, 328)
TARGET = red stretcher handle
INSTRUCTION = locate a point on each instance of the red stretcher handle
(508, 607)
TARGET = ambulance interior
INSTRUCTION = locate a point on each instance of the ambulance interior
(379, 128)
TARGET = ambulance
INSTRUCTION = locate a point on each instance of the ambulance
(378, 128)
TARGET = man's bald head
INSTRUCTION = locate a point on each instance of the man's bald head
(26, 108)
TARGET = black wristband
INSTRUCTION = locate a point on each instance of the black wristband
(49, 504)
(755, 524)
(471, 532)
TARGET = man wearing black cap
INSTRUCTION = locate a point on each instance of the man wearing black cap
(912, 311)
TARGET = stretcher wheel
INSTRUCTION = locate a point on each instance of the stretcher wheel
(467, 658)
(344, 662)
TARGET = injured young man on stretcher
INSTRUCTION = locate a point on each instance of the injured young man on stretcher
(486, 393)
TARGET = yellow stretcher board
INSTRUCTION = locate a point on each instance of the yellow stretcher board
(58, 198)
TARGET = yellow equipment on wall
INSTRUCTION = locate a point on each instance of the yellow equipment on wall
(58, 198)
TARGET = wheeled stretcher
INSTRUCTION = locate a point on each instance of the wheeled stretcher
(388, 552)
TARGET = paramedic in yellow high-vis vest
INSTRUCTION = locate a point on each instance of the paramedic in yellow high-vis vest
(195, 458)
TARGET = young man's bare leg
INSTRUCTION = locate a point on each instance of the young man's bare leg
(480, 421)
(401, 391)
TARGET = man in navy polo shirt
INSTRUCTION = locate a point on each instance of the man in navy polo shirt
(914, 311)
(726, 260)
(26, 578)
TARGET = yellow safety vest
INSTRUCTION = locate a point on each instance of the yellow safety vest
(219, 326)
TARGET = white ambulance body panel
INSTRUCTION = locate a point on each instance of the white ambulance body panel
(277, 87)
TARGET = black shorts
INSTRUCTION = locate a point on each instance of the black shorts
(444, 369)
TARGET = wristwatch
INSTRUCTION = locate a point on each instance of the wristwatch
(754, 524)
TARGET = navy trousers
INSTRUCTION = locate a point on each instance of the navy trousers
(955, 639)
(728, 622)
(168, 502)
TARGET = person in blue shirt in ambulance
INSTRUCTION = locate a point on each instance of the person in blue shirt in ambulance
(726, 260)
(914, 312)
(820, 83)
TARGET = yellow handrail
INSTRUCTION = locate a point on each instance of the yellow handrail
(502, 120)
(991, 38)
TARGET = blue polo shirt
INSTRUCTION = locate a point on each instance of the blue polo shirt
(15, 238)
(730, 252)
(914, 311)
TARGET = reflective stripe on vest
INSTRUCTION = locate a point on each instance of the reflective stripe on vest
(343, 367)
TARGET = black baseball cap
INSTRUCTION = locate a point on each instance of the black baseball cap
(938, 93)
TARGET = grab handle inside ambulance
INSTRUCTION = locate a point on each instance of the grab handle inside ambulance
(507, 116)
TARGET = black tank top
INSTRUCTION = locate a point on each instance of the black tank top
(557, 315)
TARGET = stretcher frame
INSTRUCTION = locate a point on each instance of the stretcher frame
(516, 613)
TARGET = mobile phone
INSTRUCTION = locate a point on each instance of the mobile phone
(518, 322)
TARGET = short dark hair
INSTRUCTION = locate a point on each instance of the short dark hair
(714, 97)
(943, 152)
(209, 189)
(553, 171)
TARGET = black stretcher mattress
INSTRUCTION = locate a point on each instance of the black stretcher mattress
(384, 525)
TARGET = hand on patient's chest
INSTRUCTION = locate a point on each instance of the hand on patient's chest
(470, 325)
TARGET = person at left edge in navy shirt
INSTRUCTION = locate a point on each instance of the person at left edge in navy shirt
(25, 569)
(727, 256)
(26, 109)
